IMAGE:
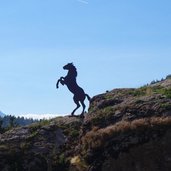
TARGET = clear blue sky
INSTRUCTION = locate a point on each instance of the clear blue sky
(113, 43)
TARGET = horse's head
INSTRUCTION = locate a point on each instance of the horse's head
(72, 71)
(69, 66)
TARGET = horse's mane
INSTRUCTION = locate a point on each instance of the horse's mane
(73, 70)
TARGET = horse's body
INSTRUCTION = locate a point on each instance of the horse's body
(71, 83)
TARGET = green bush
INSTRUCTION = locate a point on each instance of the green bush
(74, 133)
(163, 91)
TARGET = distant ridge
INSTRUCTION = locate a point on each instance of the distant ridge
(2, 114)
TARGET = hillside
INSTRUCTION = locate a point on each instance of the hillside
(9, 121)
(124, 130)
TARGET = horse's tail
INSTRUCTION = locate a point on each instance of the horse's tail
(88, 97)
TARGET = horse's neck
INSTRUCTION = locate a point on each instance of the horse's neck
(71, 75)
(70, 81)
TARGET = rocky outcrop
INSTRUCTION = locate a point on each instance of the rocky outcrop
(38, 146)
(125, 129)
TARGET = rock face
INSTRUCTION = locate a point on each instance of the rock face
(124, 130)
(38, 146)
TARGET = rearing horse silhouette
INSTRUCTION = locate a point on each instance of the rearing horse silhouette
(70, 81)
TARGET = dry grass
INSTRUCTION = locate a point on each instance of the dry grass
(98, 137)
(78, 163)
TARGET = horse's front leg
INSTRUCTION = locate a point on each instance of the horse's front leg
(57, 84)
(61, 80)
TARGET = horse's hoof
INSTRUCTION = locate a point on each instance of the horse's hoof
(72, 115)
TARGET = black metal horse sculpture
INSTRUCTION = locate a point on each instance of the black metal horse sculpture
(70, 81)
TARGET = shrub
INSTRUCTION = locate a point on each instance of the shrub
(74, 133)
(97, 139)
(168, 76)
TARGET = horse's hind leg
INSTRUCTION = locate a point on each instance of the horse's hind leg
(84, 106)
(78, 105)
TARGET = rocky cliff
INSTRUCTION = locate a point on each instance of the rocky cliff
(124, 130)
